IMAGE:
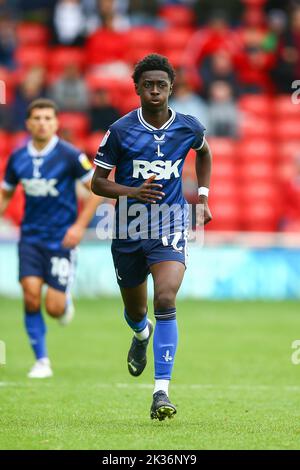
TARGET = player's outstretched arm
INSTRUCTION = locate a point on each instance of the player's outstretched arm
(147, 192)
(75, 233)
(203, 171)
(5, 197)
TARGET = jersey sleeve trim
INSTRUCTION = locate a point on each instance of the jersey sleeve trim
(7, 186)
(103, 164)
(203, 142)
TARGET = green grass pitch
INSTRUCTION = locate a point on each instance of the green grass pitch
(234, 381)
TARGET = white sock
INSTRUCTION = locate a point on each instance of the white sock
(144, 334)
(161, 385)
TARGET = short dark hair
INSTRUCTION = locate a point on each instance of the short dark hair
(153, 62)
(41, 103)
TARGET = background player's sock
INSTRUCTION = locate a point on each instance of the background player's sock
(36, 330)
(141, 330)
(164, 344)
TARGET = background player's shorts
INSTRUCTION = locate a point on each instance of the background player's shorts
(133, 259)
(55, 267)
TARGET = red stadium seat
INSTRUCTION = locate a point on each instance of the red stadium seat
(285, 129)
(141, 41)
(31, 34)
(255, 127)
(259, 190)
(8, 78)
(222, 147)
(19, 139)
(29, 56)
(224, 168)
(5, 144)
(15, 209)
(222, 190)
(288, 150)
(226, 216)
(285, 108)
(60, 57)
(74, 124)
(260, 216)
(256, 170)
(174, 39)
(114, 86)
(256, 149)
(93, 142)
(177, 15)
(105, 46)
(128, 102)
(258, 105)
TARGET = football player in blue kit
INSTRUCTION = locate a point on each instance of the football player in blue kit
(147, 147)
(48, 168)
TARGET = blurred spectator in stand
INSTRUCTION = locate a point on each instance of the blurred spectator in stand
(222, 111)
(277, 20)
(185, 101)
(143, 12)
(35, 10)
(106, 48)
(111, 16)
(287, 68)
(290, 191)
(69, 22)
(216, 36)
(102, 113)
(32, 87)
(254, 62)
(216, 67)
(7, 42)
(96, 11)
(70, 91)
(8, 9)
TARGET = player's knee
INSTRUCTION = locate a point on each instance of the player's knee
(137, 314)
(164, 301)
(32, 302)
(54, 308)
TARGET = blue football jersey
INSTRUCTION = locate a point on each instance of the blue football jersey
(48, 178)
(138, 150)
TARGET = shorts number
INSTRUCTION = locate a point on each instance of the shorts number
(60, 269)
(173, 241)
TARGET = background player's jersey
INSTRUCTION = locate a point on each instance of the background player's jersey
(48, 178)
(139, 150)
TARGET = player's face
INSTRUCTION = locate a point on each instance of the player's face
(154, 88)
(42, 124)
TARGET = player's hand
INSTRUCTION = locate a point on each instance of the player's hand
(205, 214)
(73, 236)
(146, 192)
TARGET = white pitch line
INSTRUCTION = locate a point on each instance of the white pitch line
(286, 388)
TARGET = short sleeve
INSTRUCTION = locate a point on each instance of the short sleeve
(109, 150)
(11, 179)
(199, 131)
(83, 167)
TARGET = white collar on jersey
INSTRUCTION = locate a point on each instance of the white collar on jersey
(152, 128)
(33, 152)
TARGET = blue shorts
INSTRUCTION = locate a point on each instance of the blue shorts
(132, 260)
(55, 267)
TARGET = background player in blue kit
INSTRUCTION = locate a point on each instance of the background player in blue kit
(149, 144)
(48, 169)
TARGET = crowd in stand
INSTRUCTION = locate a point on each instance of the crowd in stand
(236, 62)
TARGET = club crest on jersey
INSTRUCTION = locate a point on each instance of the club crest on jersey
(162, 169)
(159, 140)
